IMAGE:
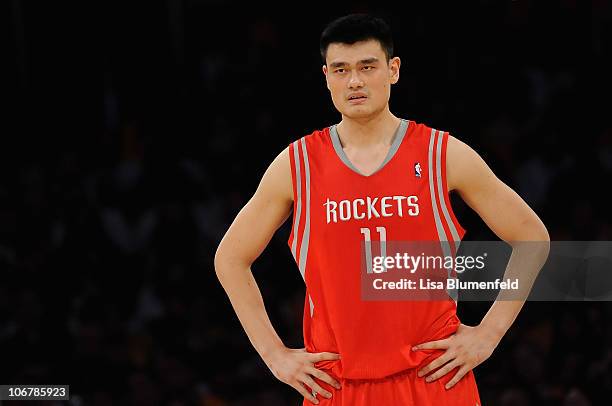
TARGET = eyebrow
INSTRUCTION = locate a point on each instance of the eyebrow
(363, 62)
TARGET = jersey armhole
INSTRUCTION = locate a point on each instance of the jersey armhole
(460, 230)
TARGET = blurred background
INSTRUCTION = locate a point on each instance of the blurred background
(134, 131)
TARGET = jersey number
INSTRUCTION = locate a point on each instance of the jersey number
(382, 233)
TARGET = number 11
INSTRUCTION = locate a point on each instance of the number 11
(382, 232)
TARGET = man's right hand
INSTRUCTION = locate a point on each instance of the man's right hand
(245, 240)
(295, 367)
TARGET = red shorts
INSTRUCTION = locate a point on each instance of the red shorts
(403, 389)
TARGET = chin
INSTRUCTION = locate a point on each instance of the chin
(358, 112)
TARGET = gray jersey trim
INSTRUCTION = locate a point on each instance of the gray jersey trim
(446, 251)
(306, 235)
(395, 144)
(298, 210)
(447, 217)
(432, 193)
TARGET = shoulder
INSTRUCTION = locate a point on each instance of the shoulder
(280, 172)
(464, 166)
(311, 147)
(461, 160)
(317, 135)
(453, 144)
(423, 131)
(276, 181)
(458, 149)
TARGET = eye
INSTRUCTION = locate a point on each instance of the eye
(339, 70)
(368, 67)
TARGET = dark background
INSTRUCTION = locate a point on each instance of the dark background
(135, 131)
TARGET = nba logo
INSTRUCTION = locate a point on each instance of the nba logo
(417, 170)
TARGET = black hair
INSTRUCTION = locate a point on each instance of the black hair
(357, 27)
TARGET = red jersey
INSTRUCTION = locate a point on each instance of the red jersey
(335, 209)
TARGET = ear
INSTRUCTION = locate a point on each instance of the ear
(325, 71)
(394, 68)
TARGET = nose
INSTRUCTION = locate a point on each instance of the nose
(355, 80)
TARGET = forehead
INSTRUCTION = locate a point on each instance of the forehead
(352, 53)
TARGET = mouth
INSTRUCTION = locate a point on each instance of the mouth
(358, 99)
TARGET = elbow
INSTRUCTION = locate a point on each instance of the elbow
(534, 230)
(221, 265)
(544, 241)
(543, 238)
(543, 232)
(540, 233)
(532, 233)
(227, 261)
(219, 260)
(539, 239)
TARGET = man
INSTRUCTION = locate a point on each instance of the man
(372, 177)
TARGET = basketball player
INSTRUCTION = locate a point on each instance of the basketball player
(371, 174)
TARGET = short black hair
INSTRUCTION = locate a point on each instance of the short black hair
(354, 28)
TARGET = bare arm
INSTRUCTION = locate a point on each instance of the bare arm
(244, 241)
(509, 217)
(512, 220)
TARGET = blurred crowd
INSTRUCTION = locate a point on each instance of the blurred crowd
(108, 233)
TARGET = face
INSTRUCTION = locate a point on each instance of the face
(359, 78)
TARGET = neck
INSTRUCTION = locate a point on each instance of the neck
(362, 132)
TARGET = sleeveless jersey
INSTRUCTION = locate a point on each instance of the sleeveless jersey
(335, 208)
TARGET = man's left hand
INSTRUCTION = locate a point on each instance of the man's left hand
(466, 349)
